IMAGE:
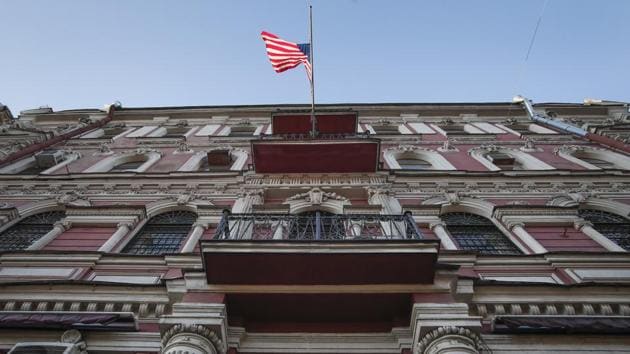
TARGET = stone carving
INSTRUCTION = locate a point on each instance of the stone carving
(450, 340)
(529, 146)
(182, 146)
(104, 149)
(316, 196)
(72, 199)
(190, 338)
(448, 146)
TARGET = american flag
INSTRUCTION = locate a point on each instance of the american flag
(285, 55)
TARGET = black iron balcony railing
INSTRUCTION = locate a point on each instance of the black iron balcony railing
(317, 226)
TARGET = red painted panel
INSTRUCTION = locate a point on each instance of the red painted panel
(343, 123)
(320, 268)
(81, 239)
(359, 312)
(317, 156)
(563, 238)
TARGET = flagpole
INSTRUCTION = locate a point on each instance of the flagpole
(313, 119)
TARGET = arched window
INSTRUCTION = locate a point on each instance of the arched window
(414, 164)
(614, 227)
(30, 229)
(594, 158)
(415, 158)
(504, 161)
(45, 162)
(497, 158)
(162, 234)
(128, 166)
(476, 233)
(217, 159)
(127, 162)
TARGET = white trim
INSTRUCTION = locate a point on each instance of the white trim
(535, 128)
(140, 132)
(421, 128)
(258, 130)
(25, 163)
(402, 129)
(73, 156)
(490, 128)
(208, 130)
(568, 152)
(438, 129)
(161, 131)
(471, 129)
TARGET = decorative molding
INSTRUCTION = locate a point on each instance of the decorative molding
(179, 335)
(439, 340)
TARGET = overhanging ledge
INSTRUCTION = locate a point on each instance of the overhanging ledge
(319, 263)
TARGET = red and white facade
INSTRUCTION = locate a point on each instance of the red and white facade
(401, 228)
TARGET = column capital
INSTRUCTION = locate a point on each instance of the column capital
(63, 225)
(449, 339)
(435, 224)
(126, 224)
(190, 338)
(204, 225)
(513, 224)
(579, 224)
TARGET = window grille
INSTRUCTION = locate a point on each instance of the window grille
(476, 233)
(503, 161)
(597, 162)
(29, 230)
(162, 234)
(614, 227)
(391, 129)
(414, 164)
(132, 165)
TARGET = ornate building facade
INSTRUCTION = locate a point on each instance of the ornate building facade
(399, 228)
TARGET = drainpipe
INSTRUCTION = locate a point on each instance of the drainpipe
(598, 138)
(32, 149)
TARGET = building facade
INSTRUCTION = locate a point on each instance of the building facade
(398, 228)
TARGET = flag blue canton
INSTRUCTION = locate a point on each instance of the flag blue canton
(306, 49)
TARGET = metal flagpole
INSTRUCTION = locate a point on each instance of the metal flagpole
(313, 119)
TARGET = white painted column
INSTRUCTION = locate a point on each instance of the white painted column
(195, 235)
(58, 228)
(587, 228)
(439, 230)
(390, 206)
(519, 230)
(122, 231)
(278, 233)
(244, 205)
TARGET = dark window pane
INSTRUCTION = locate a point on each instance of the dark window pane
(29, 230)
(614, 227)
(163, 234)
(476, 233)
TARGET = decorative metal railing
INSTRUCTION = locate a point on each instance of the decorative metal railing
(317, 226)
(321, 136)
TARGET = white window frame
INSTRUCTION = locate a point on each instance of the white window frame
(437, 161)
(112, 161)
(25, 163)
(240, 158)
(568, 152)
(526, 160)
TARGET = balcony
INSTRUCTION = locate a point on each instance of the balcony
(336, 147)
(318, 248)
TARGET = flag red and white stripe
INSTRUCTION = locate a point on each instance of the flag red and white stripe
(285, 55)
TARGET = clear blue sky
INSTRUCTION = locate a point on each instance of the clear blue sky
(81, 54)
